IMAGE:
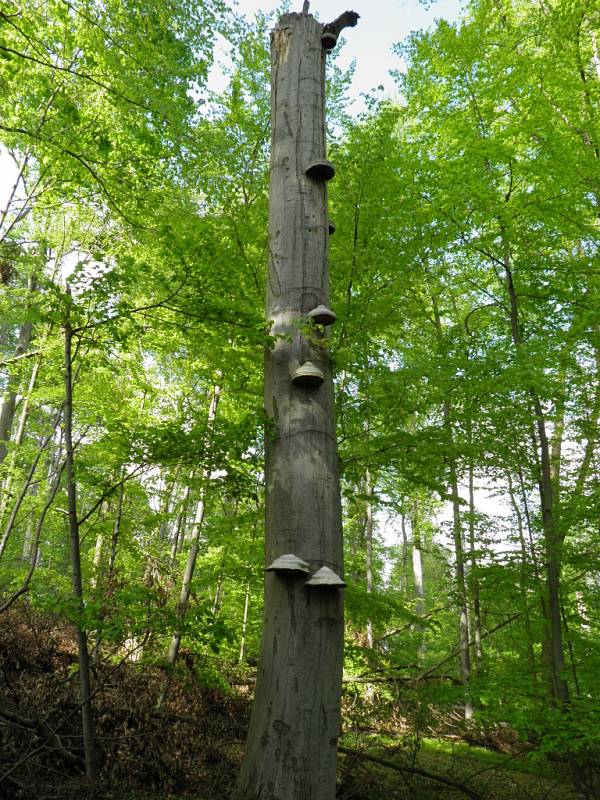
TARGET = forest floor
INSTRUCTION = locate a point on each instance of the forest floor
(192, 749)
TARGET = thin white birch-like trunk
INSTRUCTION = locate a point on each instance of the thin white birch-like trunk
(188, 574)
(178, 535)
(9, 402)
(404, 585)
(474, 577)
(244, 623)
(417, 571)
(369, 547)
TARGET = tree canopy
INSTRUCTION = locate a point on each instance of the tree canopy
(465, 276)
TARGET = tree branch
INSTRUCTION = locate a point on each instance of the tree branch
(346, 20)
(383, 762)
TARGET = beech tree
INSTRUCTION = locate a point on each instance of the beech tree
(463, 366)
(291, 749)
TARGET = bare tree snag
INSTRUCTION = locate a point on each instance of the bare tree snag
(292, 742)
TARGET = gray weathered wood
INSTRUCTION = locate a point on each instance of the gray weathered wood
(292, 741)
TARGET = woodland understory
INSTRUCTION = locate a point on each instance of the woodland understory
(465, 277)
(399, 742)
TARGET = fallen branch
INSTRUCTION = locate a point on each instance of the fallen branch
(426, 673)
(20, 357)
(410, 624)
(401, 679)
(42, 728)
(157, 714)
(7, 776)
(383, 762)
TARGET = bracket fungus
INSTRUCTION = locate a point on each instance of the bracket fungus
(320, 170)
(308, 376)
(288, 563)
(328, 40)
(322, 315)
(326, 578)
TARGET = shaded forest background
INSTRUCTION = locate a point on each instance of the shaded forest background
(465, 277)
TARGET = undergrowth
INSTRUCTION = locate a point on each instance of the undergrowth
(192, 748)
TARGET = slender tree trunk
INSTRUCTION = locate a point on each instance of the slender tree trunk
(461, 585)
(7, 410)
(569, 511)
(244, 623)
(18, 439)
(369, 547)
(97, 561)
(188, 574)
(524, 569)
(87, 723)
(34, 549)
(404, 553)
(571, 653)
(167, 509)
(417, 570)
(557, 437)
(369, 693)
(178, 535)
(553, 541)
(114, 539)
(291, 749)
(473, 577)
(12, 517)
(110, 573)
(546, 649)
(28, 538)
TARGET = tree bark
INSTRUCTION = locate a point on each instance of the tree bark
(116, 531)
(461, 585)
(9, 403)
(404, 585)
(190, 566)
(295, 724)
(524, 568)
(178, 535)
(10, 523)
(553, 540)
(87, 724)
(244, 623)
(417, 569)
(474, 578)
(369, 547)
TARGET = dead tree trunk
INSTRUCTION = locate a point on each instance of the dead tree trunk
(292, 742)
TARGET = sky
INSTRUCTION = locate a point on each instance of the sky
(382, 24)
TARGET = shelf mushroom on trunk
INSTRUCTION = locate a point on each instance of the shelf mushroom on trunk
(291, 749)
